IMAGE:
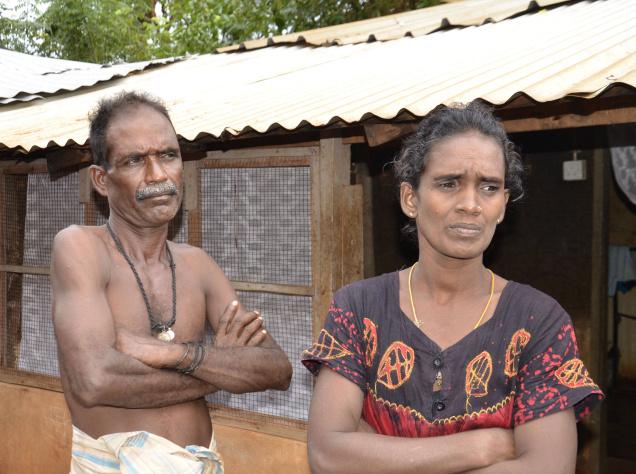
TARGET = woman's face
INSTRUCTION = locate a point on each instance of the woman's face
(461, 196)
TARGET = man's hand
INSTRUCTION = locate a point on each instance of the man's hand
(149, 350)
(239, 329)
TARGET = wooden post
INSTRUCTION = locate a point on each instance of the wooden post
(14, 219)
(3, 275)
(191, 183)
(330, 175)
(593, 456)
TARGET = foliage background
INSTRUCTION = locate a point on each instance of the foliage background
(110, 31)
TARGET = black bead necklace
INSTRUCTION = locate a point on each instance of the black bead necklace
(163, 331)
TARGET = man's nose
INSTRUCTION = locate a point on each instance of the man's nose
(154, 170)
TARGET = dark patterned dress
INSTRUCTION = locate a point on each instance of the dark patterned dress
(521, 364)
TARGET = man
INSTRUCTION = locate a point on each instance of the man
(130, 307)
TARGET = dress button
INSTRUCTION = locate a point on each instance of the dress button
(437, 363)
(439, 406)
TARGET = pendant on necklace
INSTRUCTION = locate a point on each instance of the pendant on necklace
(166, 335)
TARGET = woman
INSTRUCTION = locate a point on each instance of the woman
(446, 347)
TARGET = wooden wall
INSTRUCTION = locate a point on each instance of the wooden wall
(36, 437)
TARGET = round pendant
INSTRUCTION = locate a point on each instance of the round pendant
(166, 335)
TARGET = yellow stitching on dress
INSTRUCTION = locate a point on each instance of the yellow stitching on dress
(371, 340)
(484, 411)
(518, 342)
(326, 342)
(478, 372)
(573, 374)
(404, 359)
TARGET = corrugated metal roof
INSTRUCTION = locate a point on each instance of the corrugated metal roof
(25, 77)
(579, 49)
(412, 23)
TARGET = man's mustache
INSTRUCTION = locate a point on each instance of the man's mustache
(156, 190)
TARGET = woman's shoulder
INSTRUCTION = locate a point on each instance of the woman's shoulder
(540, 306)
(368, 286)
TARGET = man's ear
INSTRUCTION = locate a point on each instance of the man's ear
(408, 200)
(98, 178)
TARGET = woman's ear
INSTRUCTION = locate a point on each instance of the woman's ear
(503, 211)
(98, 178)
(408, 200)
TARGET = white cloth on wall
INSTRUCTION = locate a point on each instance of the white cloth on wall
(624, 158)
(621, 267)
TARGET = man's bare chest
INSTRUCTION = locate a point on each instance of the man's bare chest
(131, 304)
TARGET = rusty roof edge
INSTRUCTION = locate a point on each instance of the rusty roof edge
(300, 38)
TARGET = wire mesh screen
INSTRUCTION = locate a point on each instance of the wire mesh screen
(37, 347)
(288, 319)
(51, 206)
(256, 223)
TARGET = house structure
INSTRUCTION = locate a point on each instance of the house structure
(286, 142)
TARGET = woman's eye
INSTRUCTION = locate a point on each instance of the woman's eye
(447, 184)
(491, 188)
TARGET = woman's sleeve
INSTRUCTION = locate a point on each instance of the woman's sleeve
(551, 375)
(339, 345)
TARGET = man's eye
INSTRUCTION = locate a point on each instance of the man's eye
(168, 155)
(447, 184)
(133, 160)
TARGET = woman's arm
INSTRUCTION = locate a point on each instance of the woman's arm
(546, 445)
(335, 444)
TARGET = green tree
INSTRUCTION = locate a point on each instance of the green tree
(103, 31)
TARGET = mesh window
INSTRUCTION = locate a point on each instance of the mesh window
(51, 206)
(288, 319)
(256, 223)
(38, 350)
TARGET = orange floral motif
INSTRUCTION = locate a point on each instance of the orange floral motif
(518, 341)
(478, 372)
(396, 365)
(326, 347)
(573, 374)
(371, 338)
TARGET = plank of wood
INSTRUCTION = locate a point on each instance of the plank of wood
(257, 162)
(298, 290)
(569, 120)
(379, 134)
(85, 186)
(273, 425)
(35, 166)
(191, 185)
(264, 153)
(3, 275)
(352, 234)
(24, 269)
(17, 377)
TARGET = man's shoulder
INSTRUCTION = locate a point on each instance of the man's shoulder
(78, 235)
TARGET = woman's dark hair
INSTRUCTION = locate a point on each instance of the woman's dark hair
(446, 122)
(106, 110)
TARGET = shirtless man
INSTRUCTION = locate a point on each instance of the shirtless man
(126, 301)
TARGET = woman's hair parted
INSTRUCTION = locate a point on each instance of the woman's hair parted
(446, 122)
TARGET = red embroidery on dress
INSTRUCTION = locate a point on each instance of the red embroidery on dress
(327, 348)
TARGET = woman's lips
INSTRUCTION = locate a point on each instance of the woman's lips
(466, 229)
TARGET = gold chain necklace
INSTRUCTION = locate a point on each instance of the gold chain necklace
(483, 313)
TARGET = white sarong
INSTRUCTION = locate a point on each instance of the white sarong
(140, 452)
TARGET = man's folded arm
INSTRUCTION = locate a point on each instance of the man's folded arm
(98, 374)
